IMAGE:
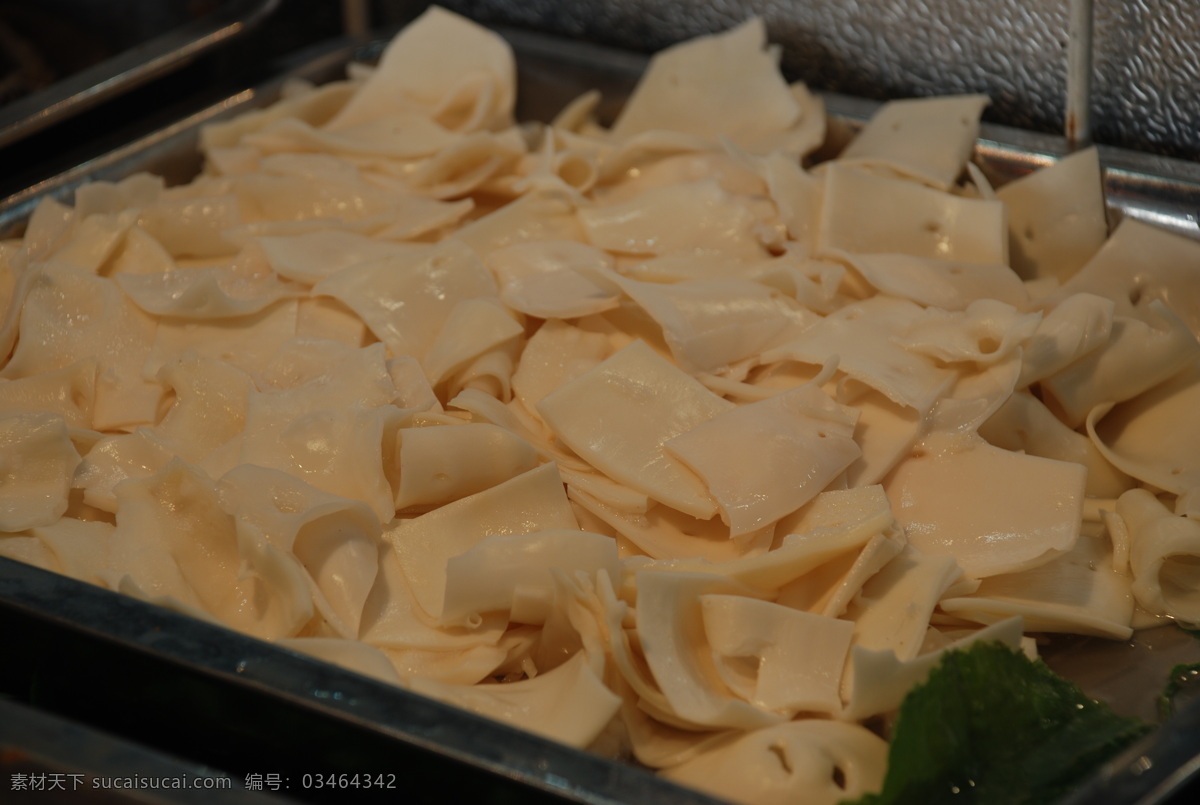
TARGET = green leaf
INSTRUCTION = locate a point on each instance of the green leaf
(992, 726)
(1183, 682)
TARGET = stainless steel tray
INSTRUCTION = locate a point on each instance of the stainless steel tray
(140, 62)
(59, 760)
(247, 707)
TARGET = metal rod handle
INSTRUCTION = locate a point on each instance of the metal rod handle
(1078, 121)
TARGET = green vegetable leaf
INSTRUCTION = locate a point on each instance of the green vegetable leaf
(992, 726)
(1183, 684)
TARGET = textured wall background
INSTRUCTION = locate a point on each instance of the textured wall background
(1147, 58)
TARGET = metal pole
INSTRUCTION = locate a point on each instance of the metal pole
(356, 17)
(1078, 122)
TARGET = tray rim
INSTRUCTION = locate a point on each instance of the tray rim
(1160, 190)
(226, 659)
(130, 68)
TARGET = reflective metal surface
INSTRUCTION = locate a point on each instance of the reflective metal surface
(243, 707)
(1147, 58)
(1161, 190)
(1160, 770)
(1158, 190)
(56, 759)
(129, 68)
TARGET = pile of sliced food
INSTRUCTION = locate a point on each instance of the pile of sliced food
(662, 439)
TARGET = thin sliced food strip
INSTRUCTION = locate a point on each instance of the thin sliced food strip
(533, 501)
(929, 139)
(620, 415)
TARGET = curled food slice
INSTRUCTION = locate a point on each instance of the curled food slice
(473, 327)
(711, 324)
(406, 298)
(795, 658)
(1023, 424)
(532, 501)
(945, 284)
(444, 66)
(554, 279)
(1141, 264)
(811, 761)
(727, 84)
(880, 680)
(312, 256)
(71, 315)
(671, 628)
(764, 460)
(514, 572)
(864, 338)
(1077, 592)
(442, 464)
(1137, 357)
(1153, 436)
(952, 505)
(37, 462)
(1164, 554)
(70, 391)
(893, 608)
(1056, 216)
(619, 415)
(929, 139)
(204, 293)
(329, 543)
(867, 214)
(694, 218)
(569, 704)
